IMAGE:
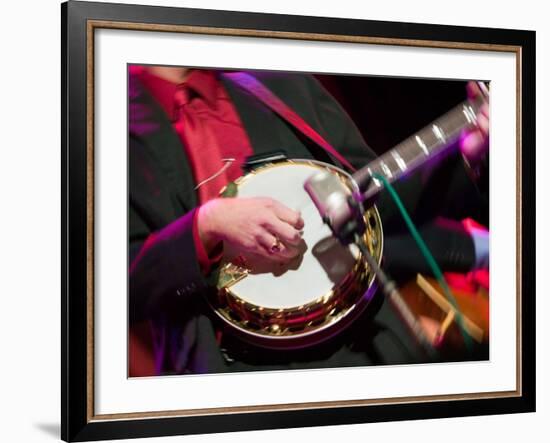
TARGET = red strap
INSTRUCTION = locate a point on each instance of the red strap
(262, 93)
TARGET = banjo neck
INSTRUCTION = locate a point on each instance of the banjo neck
(430, 142)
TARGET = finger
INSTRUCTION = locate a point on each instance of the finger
(286, 253)
(472, 89)
(287, 215)
(269, 246)
(483, 124)
(285, 232)
(484, 110)
(266, 242)
(473, 145)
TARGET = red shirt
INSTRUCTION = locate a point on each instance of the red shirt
(210, 130)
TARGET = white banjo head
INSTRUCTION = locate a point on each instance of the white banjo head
(278, 303)
(325, 261)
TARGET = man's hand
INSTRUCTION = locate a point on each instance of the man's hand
(260, 226)
(474, 143)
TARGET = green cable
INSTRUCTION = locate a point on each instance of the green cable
(428, 256)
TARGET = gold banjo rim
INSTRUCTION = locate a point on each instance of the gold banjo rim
(351, 293)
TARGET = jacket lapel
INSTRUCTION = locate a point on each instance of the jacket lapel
(267, 132)
(149, 124)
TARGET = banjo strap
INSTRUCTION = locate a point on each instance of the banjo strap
(262, 93)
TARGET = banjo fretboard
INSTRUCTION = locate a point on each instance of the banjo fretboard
(423, 146)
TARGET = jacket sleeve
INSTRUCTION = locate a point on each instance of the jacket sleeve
(164, 268)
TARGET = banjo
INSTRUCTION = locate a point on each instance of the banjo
(320, 292)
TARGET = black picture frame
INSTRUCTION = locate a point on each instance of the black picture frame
(77, 419)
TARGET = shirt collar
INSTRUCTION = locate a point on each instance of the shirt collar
(202, 82)
(205, 84)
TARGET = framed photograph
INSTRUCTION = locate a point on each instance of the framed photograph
(277, 221)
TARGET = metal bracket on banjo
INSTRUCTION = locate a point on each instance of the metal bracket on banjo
(255, 161)
(230, 275)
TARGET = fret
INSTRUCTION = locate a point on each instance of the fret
(375, 181)
(385, 169)
(439, 133)
(422, 144)
(399, 160)
(469, 113)
(421, 147)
